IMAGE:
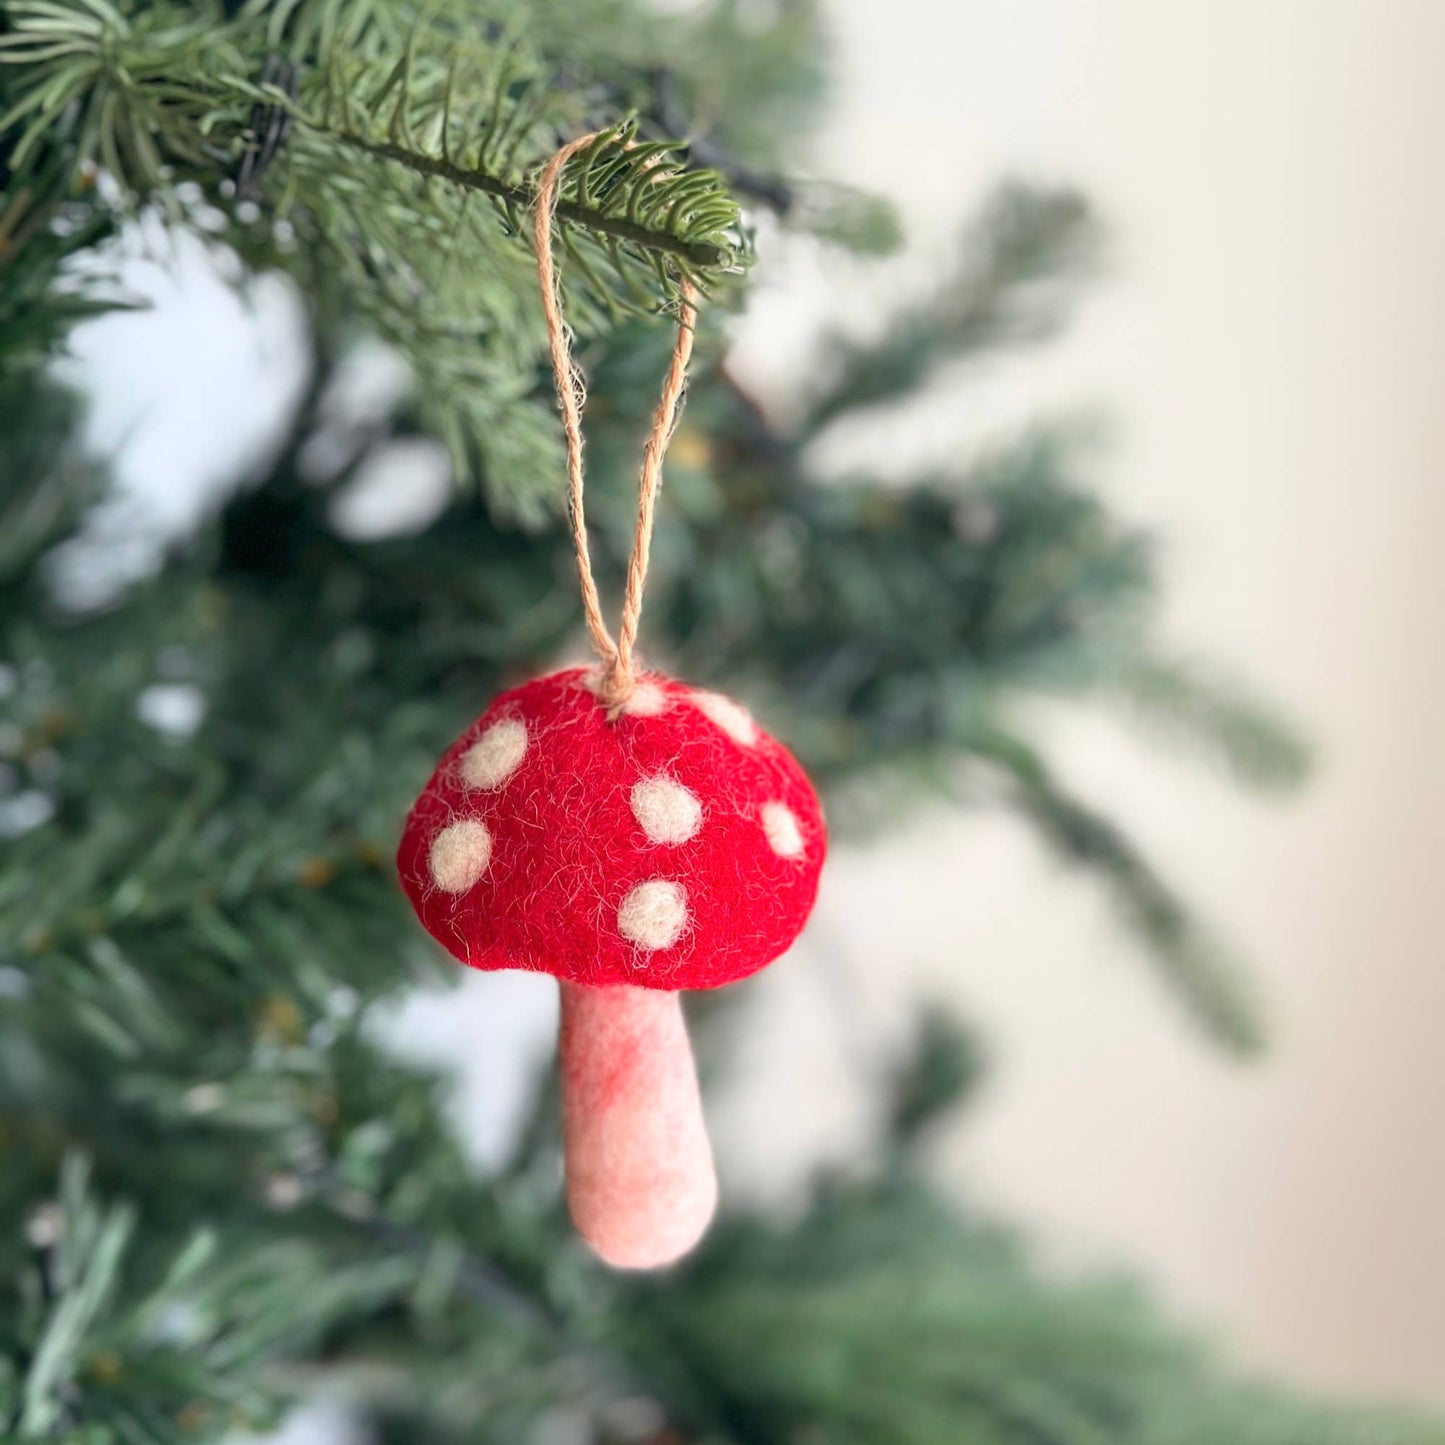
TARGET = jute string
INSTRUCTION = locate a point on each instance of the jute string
(618, 678)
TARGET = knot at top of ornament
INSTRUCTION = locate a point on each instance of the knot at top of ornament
(666, 842)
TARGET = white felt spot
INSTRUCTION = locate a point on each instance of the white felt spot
(654, 914)
(667, 811)
(734, 719)
(780, 824)
(646, 699)
(496, 755)
(459, 855)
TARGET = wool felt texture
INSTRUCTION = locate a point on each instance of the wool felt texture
(668, 845)
(641, 1185)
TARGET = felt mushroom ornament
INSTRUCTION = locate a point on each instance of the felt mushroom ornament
(631, 836)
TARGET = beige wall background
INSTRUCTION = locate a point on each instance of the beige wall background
(1271, 346)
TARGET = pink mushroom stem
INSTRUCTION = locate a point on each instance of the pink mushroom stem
(640, 1179)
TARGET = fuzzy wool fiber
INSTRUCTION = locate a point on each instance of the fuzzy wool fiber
(641, 1185)
(556, 837)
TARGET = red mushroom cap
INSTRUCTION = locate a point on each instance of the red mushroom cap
(675, 846)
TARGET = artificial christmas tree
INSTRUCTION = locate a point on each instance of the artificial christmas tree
(219, 1193)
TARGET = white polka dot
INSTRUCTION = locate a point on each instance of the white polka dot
(646, 699)
(496, 755)
(654, 914)
(459, 855)
(668, 812)
(780, 824)
(734, 719)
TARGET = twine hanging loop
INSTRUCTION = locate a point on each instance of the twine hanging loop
(619, 677)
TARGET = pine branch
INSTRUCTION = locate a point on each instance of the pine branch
(446, 109)
(482, 1284)
(1020, 266)
(1193, 966)
(520, 197)
(859, 222)
(480, 1281)
(1257, 747)
(886, 1317)
(621, 189)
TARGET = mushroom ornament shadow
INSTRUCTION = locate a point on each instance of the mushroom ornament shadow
(630, 851)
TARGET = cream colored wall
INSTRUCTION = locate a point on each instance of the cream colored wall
(1272, 346)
